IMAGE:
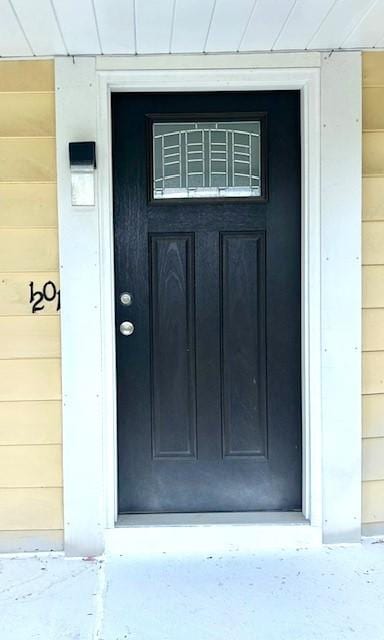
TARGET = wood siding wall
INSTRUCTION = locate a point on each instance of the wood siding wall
(373, 292)
(30, 408)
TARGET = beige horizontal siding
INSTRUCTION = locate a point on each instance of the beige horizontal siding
(28, 159)
(373, 152)
(30, 422)
(373, 198)
(373, 329)
(27, 114)
(30, 393)
(373, 69)
(31, 508)
(34, 379)
(373, 416)
(26, 76)
(373, 372)
(373, 242)
(373, 286)
(29, 250)
(373, 100)
(30, 336)
(28, 205)
(373, 501)
(373, 289)
(30, 466)
(373, 457)
(15, 292)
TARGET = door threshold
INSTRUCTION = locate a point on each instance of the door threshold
(209, 533)
(214, 518)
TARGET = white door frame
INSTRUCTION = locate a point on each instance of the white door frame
(331, 175)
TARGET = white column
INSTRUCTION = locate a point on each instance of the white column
(76, 101)
(341, 295)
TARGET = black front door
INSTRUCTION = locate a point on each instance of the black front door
(207, 244)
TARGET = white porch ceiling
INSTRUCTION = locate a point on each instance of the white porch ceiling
(75, 27)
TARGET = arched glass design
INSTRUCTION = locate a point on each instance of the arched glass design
(206, 159)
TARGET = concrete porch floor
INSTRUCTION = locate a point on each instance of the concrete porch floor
(329, 592)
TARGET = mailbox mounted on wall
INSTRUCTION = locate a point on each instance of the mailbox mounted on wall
(82, 160)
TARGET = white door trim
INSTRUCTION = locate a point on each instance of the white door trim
(86, 243)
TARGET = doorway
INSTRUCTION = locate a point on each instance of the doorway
(207, 280)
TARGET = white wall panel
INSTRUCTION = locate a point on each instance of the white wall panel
(341, 294)
(302, 24)
(81, 372)
(116, 25)
(229, 21)
(78, 25)
(339, 23)
(12, 40)
(154, 25)
(191, 25)
(43, 33)
(265, 24)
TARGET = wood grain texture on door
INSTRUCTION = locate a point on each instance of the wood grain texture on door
(209, 382)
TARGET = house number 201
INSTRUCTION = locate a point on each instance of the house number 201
(48, 293)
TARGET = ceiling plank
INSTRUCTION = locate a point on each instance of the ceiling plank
(370, 30)
(116, 22)
(265, 24)
(12, 39)
(153, 25)
(229, 21)
(43, 34)
(339, 23)
(380, 43)
(303, 21)
(78, 25)
(191, 25)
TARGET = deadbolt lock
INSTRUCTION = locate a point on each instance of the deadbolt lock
(127, 328)
(126, 298)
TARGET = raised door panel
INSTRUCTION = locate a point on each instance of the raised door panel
(243, 344)
(173, 386)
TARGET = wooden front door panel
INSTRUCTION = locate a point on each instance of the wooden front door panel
(208, 385)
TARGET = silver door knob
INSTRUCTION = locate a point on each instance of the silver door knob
(127, 328)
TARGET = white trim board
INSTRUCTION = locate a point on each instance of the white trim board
(209, 61)
(331, 141)
(202, 538)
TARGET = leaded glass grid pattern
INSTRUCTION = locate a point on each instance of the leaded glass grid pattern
(206, 159)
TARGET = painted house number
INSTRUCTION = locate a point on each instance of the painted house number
(48, 293)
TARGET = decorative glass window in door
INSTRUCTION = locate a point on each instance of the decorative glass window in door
(206, 159)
